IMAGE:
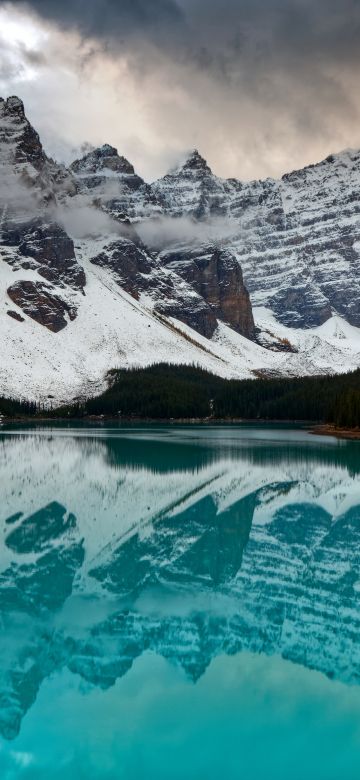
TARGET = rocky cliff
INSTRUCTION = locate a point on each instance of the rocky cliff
(104, 182)
(296, 239)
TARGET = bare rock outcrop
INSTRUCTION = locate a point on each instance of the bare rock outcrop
(216, 276)
(39, 301)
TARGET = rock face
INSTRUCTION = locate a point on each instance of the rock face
(46, 248)
(102, 161)
(15, 315)
(22, 157)
(304, 226)
(192, 190)
(312, 234)
(139, 274)
(216, 276)
(14, 127)
(300, 305)
(31, 239)
(112, 182)
(38, 301)
(130, 264)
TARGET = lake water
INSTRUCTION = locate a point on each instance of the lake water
(179, 602)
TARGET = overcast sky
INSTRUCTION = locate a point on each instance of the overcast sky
(258, 86)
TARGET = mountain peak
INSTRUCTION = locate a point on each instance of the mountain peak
(194, 162)
(103, 158)
(106, 150)
(21, 143)
(13, 106)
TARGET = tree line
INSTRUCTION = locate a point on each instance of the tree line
(185, 392)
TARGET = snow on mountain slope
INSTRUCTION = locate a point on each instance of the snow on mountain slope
(112, 181)
(297, 239)
(192, 190)
(99, 269)
(333, 347)
(112, 330)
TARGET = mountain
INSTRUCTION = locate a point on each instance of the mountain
(100, 269)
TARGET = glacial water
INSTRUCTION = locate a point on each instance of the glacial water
(179, 602)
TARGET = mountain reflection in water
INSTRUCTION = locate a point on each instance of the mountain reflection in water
(187, 542)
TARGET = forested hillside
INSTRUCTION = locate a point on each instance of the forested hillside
(165, 392)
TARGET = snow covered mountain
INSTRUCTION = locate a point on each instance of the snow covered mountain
(100, 269)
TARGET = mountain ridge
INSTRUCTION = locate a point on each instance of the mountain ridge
(250, 273)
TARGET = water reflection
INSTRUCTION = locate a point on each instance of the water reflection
(187, 542)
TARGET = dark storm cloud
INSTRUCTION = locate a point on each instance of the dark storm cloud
(218, 33)
(110, 20)
(262, 84)
(254, 38)
(267, 48)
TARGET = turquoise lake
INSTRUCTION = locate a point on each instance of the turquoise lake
(179, 602)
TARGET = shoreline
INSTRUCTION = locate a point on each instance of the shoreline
(352, 434)
(102, 418)
(316, 429)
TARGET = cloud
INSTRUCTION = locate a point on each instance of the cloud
(111, 20)
(259, 86)
(218, 35)
(162, 232)
(82, 221)
(20, 202)
(16, 199)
